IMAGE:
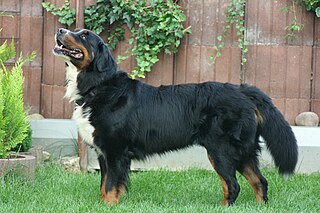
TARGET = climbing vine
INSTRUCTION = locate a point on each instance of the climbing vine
(295, 27)
(155, 25)
(66, 14)
(234, 18)
(311, 5)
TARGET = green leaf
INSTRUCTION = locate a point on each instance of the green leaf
(317, 11)
(154, 60)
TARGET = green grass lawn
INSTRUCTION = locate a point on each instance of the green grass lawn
(56, 190)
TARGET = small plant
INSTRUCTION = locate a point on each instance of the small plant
(311, 5)
(66, 15)
(13, 121)
(26, 143)
(96, 16)
(295, 27)
(155, 25)
(235, 18)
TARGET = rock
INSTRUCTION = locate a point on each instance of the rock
(36, 116)
(307, 119)
(46, 155)
(71, 164)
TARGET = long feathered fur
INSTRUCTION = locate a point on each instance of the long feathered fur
(129, 119)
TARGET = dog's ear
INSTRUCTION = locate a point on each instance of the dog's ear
(104, 59)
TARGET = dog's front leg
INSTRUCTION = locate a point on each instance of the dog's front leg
(114, 178)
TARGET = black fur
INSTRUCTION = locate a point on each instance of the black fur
(133, 120)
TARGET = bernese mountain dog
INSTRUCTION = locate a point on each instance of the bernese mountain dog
(125, 119)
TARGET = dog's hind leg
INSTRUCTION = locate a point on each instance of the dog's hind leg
(258, 183)
(227, 173)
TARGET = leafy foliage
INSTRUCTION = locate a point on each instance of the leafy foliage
(7, 52)
(66, 15)
(294, 27)
(155, 25)
(26, 143)
(96, 16)
(235, 18)
(311, 5)
(13, 122)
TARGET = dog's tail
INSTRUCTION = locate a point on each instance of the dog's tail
(275, 130)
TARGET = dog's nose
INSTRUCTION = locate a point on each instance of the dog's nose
(62, 31)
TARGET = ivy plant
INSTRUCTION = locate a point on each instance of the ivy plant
(294, 27)
(155, 25)
(311, 5)
(234, 18)
(66, 14)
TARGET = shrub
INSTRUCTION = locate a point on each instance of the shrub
(13, 121)
(26, 143)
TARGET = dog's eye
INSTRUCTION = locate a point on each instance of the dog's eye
(83, 36)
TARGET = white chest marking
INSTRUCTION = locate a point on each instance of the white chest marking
(80, 115)
(72, 92)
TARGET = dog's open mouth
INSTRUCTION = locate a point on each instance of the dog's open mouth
(63, 49)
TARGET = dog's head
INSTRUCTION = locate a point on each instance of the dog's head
(84, 49)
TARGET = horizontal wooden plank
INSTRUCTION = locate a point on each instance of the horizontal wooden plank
(10, 5)
(281, 71)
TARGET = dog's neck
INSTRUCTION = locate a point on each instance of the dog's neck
(80, 87)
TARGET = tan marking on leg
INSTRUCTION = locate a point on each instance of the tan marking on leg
(211, 161)
(225, 191)
(121, 191)
(224, 184)
(103, 187)
(255, 183)
(112, 196)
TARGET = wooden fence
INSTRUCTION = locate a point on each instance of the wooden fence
(289, 71)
